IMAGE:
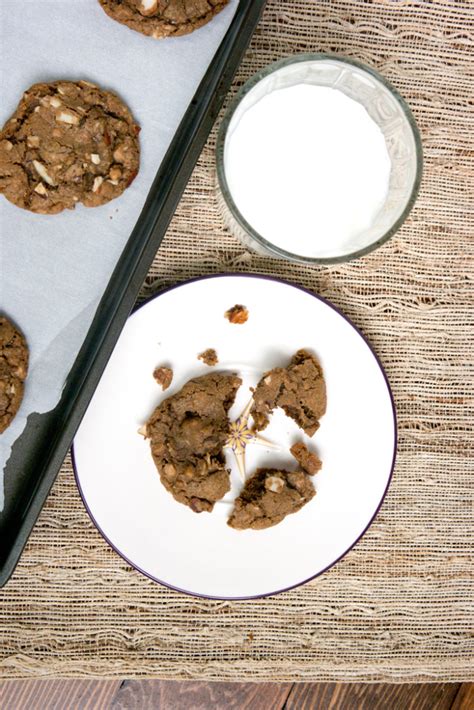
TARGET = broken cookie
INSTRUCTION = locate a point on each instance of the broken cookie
(309, 461)
(187, 433)
(67, 142)
(299, 389)
(13, 371)
(162, 18)
(268, 496)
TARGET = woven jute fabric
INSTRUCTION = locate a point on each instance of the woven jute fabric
(399, 606)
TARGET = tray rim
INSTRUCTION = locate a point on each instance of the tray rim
(123, 287)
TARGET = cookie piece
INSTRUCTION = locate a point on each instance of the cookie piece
(238, 314)
(163, 18)
(298, 389)
(67, 142)
(268, 496)
(13, 371)
(163, 376)
(209, 357)
(187, 434)
(308, 460)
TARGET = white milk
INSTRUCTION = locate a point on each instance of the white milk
(308, 168)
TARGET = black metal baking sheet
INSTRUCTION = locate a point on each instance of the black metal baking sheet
(38, 453)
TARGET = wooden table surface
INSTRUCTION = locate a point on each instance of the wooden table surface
(191, 695)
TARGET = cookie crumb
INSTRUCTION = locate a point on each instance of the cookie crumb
(209, 357)
(163, 376)
(308, 460)
(238, 314)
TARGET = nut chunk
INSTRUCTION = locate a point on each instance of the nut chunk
(209, 357)
(299, 389)
(163, 376)
(237, 314)
(187, 433)
(268, 496)
(309, 461)
(13, 371)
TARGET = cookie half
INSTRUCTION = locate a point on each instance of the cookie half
(163, 18)
(67, 142)
(299, 389)
(269, 495)
(187, 433)
(13, 371)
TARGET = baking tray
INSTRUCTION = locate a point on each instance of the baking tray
(38, 453)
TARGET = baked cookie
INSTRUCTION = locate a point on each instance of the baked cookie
(187, 433)
(269, 495)
(162, 18)
(298, 389)
(13, 371)
(67, 142)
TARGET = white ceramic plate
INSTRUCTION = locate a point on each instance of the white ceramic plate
(199, 553)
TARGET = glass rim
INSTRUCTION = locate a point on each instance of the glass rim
(227, 195)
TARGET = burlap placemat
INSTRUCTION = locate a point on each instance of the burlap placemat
(399, 606)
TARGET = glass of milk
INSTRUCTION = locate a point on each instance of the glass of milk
(319, 160)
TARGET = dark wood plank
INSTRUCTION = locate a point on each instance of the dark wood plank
(57, 694)
(192, 695)
(464, 699)
(378, 696)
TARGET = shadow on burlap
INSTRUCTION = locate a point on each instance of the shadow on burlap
(399, 606)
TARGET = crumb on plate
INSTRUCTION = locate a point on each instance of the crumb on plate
(163, 376)
(238, 314)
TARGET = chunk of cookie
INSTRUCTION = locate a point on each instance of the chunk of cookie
(67, 142)
(163, 18)
(238, 314)
(209, 357)
(163, 376)
(298, 389)
(13, 371)
(268, 496)
(187, 433)
(308, 460)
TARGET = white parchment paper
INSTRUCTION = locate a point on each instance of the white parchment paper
(54, 270)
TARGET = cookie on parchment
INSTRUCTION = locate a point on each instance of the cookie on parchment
(163, 18)
(13, 371)
(67, 142)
